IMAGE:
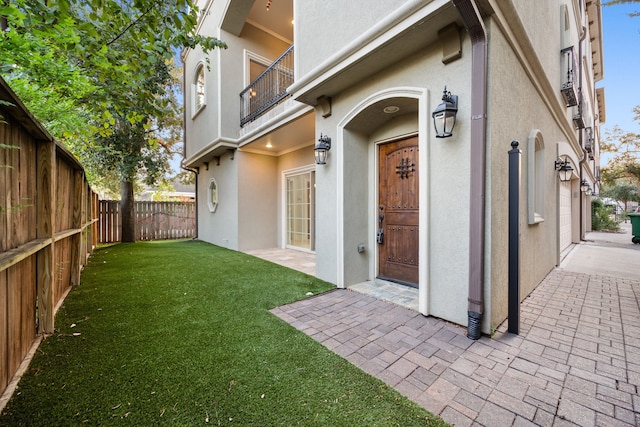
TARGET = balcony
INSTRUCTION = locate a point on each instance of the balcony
(579, 119)
(268, 89)
(569, 87)
(589, 142)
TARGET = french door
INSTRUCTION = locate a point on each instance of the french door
(301, 210)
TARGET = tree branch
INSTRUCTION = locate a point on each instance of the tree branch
(128, 27)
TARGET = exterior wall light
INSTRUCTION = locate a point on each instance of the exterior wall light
(444, 116)
(563, 166)
(584, 186)
(321, 149)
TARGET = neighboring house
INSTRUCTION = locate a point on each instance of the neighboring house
(180, 193)
(368, 74)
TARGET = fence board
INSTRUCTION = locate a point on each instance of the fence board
(13, 312)
(154, 220)
(5, 176)
(5, 374)
(47, 218)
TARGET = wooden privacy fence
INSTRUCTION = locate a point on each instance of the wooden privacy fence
(47, 230)
(154, 220)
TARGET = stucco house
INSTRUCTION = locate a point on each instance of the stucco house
(392, 201)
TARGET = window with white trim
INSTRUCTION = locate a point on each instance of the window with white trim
(198, 89)
(535, 177)
(212, 199)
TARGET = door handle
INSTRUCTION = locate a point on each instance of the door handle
(380, 235)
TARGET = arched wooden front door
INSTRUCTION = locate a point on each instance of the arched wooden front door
(398, 211)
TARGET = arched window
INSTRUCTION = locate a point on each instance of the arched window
(535, 177)
(199, 100)
(212, 200)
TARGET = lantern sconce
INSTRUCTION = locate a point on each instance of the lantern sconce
(444, 116)
(563, 166)
(584, 186)
(321, 149)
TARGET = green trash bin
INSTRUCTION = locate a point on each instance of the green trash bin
(635, 227)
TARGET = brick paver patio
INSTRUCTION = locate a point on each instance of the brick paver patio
(576, 361)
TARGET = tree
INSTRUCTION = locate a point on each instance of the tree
(623, 192)
(98, 74)
(626, 146)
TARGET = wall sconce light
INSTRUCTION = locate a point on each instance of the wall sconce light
(589, 191)
(563, 166)
(321, 149)
(444, 116)
(584, 186)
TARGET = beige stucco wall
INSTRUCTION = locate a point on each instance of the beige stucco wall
(524, 76)
(201, 127)
(445, 197)
(219, 227)
(515, 109)
(319, 31)
(257, 201)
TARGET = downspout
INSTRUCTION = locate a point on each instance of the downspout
(472, 20)
(184, 147)
(583, 161)
(195, 173)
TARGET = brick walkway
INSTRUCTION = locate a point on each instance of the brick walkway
(576, 361)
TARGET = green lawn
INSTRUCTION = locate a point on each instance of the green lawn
(179, 333)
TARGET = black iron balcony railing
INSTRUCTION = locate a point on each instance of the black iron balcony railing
(268, 89)
(569, 84)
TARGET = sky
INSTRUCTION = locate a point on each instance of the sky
(621, 82)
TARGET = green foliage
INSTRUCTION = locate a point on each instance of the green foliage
(89, 67)
(179, 333)
(622, 175)
(601, 216)
(623, 191)
(186, 177)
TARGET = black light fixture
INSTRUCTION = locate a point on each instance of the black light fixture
(563, 166)
(444, 116)
(321, 149)
(584, 186)
(589, 191)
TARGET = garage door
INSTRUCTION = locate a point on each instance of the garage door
(565, 215)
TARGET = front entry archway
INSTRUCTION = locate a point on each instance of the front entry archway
(398, 219)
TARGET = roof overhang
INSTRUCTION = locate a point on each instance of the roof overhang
(409, 29)
(594, 16)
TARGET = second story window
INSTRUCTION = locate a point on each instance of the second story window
(199, 100)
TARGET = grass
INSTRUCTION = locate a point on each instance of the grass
(179, 333)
